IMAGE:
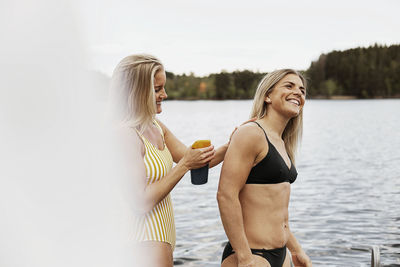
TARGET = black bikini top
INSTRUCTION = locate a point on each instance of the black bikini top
(272, 169)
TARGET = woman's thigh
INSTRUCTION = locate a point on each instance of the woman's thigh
(154, 254)
(231, 261)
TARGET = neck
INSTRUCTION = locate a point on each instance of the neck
(275, 123)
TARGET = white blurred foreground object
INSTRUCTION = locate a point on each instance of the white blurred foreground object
(60, 191)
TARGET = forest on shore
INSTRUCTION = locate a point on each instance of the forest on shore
(372, 72)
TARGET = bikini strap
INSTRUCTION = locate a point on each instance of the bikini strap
(262, 129)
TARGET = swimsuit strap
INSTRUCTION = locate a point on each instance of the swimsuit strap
(138, 133)
(262, 129)
(157, 126)
(160, 129)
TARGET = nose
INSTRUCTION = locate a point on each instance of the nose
(164, 94)
(297, 91)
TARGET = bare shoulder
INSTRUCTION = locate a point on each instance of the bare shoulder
(242, 152)
(168, 135)
(162, 125)
(248, 135)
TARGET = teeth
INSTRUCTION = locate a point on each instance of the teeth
(296, 102)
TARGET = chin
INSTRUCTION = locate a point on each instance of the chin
(293, 113)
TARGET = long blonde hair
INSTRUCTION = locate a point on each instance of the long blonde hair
(132, 90)
(294, 128)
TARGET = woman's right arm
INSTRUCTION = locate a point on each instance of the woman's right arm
(146, 196)
(238, 162)
(153, 193)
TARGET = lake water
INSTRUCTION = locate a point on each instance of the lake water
(346, 196)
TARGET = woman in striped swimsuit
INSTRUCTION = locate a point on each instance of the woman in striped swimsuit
(139, 82)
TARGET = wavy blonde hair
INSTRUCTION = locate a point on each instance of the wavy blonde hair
(294, 128)
(132, 90)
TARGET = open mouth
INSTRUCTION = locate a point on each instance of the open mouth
(294, 101)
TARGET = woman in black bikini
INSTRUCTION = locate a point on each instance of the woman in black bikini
(254, 189)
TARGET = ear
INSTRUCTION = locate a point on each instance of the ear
(267, 100)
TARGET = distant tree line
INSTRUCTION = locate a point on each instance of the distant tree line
(359, 72)
(224, 85)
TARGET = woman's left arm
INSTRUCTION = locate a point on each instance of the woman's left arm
(299, 257)
(177, 148)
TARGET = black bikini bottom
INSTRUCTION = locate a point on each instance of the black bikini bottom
(275, 257)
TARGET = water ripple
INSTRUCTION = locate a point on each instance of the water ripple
(346, 197)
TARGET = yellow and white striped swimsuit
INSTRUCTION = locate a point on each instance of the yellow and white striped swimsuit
(158, 224)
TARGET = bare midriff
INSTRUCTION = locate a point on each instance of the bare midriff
(265, 214)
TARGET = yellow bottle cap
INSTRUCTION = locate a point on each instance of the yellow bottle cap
(201, 143)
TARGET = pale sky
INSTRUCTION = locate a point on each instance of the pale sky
(56, 196)
(209, 36)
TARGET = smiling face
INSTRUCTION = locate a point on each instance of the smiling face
(159, 90)
(287, 96)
